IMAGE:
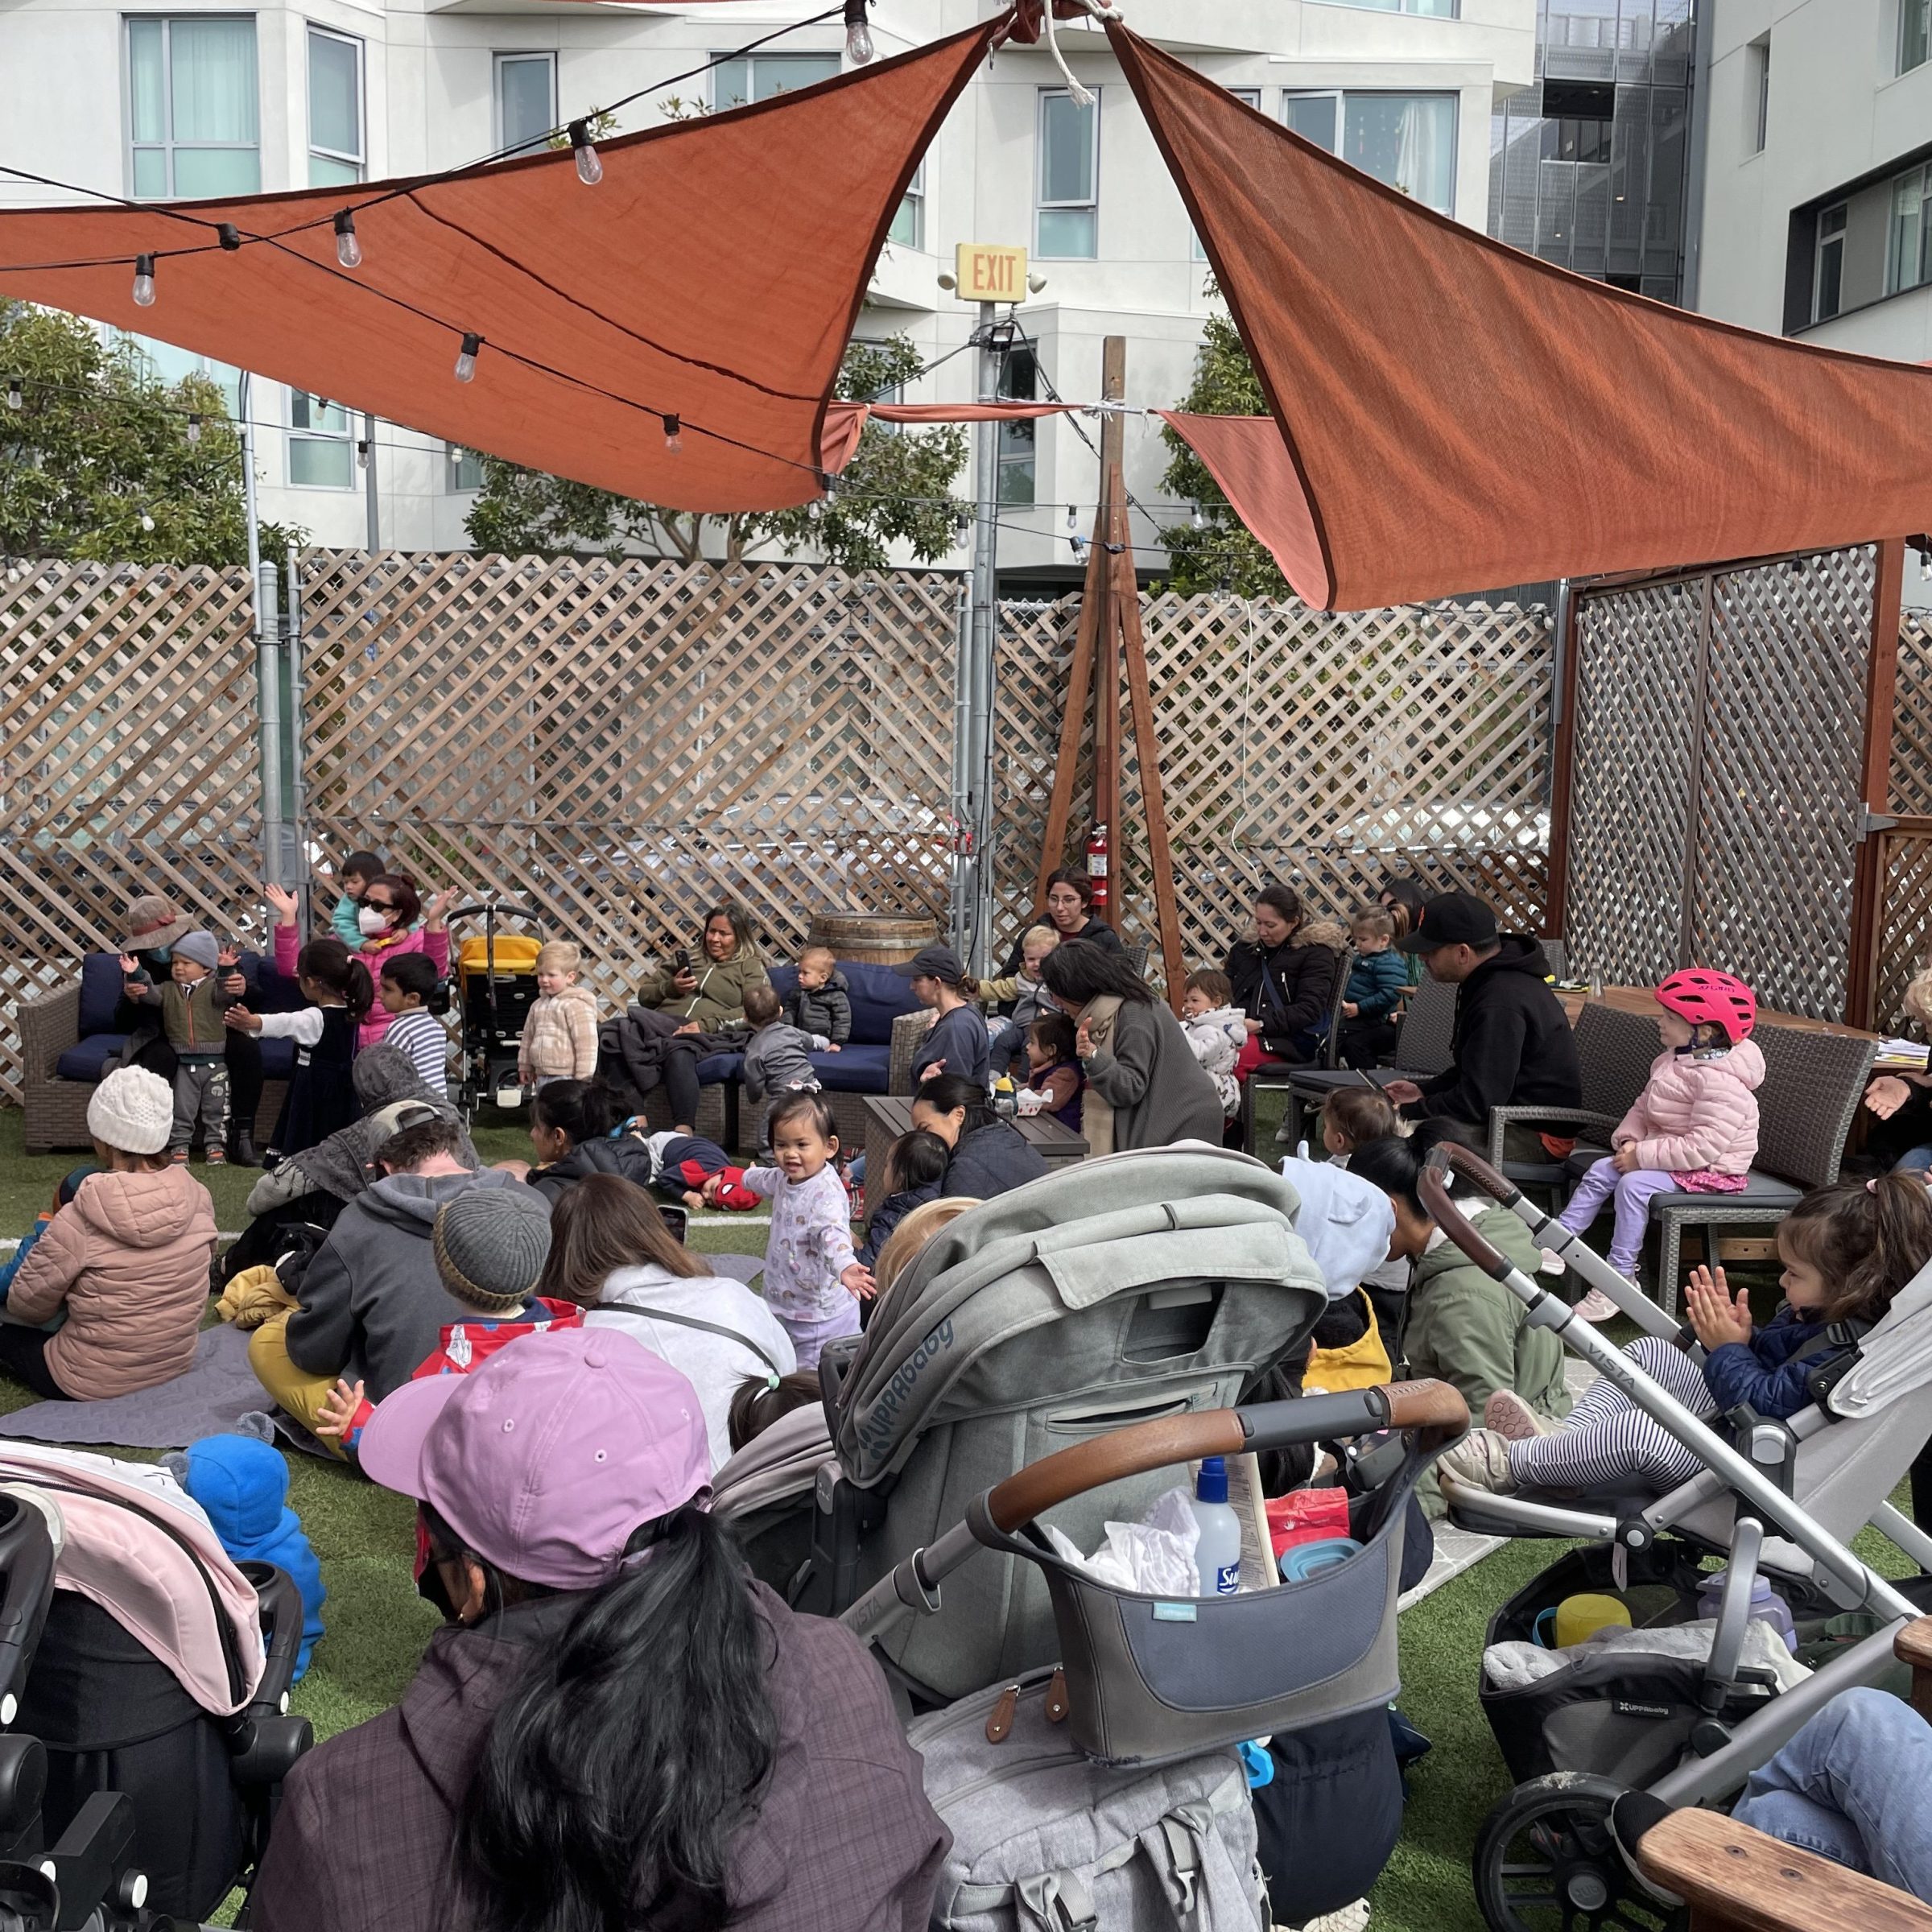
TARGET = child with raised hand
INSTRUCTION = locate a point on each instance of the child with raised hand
(192, 1006)
(1846, 1251)
(321, 1098)
(560, 1040)
(414, 994)
(813, 1279)
(1054, 1073)
(1694, 1127)
(1217, 1030)
(821, 1006)
(357, 873)
(1377, 982)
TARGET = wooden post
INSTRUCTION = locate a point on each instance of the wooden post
(1147, 749)
(1874, 786)
(1113, 520)
(1073, 718)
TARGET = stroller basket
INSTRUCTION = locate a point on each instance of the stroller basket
(1150, 1679)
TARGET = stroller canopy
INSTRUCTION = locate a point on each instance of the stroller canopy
(1157, 1219)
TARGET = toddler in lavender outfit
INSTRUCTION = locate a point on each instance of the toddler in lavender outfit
(813, 1279)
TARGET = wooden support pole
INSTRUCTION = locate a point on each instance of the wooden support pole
(1875, 786)
(1073, 718)
(1147, 750)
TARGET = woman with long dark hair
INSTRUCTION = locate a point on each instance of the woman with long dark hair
(1284, 977)
(1145, 1089)
(989, 1155)
(618, 1728)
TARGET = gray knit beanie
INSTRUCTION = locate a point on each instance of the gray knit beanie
(490, 1245)
(200, 947)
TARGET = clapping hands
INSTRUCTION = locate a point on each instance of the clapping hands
(1715, 1315)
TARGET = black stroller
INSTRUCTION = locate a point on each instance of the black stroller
(495, 975)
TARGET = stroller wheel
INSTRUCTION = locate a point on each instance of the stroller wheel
(1545, 1861)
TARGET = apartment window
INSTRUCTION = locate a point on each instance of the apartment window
(758, 76)
(465, 469)
(1914, 33)
(321, 451)
(1248, 96)
(1758, 53)
(1828, 272)
(1406, 140)
(909, 225)
(1019, 382)
(1436, 10)
(1908, 261)
(527, 101)
(335, 153)
(1068, 214)
(194, 125)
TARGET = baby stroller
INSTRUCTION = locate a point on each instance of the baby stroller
(1687, 1717)
(143, 1687)
(495, 987)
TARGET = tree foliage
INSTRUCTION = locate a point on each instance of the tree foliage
(98, 462)
(1216, 553)
(896, 489)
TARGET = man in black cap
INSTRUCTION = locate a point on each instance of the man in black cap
(1513, 1044)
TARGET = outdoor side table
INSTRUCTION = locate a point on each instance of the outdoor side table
(889, 1115)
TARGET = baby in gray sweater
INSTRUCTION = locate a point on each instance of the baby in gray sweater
(776, 1057)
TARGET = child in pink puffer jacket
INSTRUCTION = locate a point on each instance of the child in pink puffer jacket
(1695, 1126)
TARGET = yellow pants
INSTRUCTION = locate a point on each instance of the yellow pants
(299, 1393)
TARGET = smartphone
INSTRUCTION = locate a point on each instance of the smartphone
(675, 1219)
(681, 961)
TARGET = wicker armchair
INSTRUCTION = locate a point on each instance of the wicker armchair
(908, 1030)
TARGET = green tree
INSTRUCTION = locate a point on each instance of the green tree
(896, 488)
(1215, 551)
(98, 462)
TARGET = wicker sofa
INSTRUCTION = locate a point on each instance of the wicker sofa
(67, 1037)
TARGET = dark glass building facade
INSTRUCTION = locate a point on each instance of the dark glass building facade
(1590, 167)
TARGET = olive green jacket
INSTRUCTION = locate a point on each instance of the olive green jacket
(719, 999)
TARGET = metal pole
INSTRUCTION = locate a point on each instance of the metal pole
(960, 921)
(268, 667)
(248, 480)
(298, 796)
(369, 484)
(979, 645)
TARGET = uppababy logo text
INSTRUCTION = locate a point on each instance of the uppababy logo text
(876, 1431)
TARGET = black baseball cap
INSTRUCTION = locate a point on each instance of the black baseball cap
(1452, 919)
(933, 963)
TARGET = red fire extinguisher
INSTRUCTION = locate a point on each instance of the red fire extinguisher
(1097, 868)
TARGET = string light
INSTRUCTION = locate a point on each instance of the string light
(590, 170)
(1073, 513)
(229, 236)
(144, 281)
(14, 399)
(673, 434)
(349, 250)
(194, 429)
(858, 35)
(148, 522)
(1200, 518)
(362, 452)
(466, 358)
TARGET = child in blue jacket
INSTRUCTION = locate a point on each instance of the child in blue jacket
(63, 1195)
(1377, 982)
(241, 1483)
(1846, 1251)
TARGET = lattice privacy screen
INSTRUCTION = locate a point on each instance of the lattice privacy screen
(1715, 805)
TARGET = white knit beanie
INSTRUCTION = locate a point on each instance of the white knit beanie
(132, 1110)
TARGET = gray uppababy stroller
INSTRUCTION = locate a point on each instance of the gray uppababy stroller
(1694, 1703)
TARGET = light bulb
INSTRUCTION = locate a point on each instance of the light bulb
(858, 35)
(349, 250)
(673, 434)
(148, 522)
(466, 358)
(362, 453)
(229, 235)
(194, 429)
(144, 281)
(1200, 518)
(14, 399)
(1073, 516)
(590, 170)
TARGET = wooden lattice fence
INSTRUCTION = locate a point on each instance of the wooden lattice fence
(1906, 880)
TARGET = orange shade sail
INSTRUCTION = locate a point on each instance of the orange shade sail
(1454, 415)
(713, 276)
(845, 422)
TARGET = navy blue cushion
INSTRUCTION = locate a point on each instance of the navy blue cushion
(879, 996)
(100, 992)
(716, 1067)
(85, 1061)
(854, 1069)
(784, 981)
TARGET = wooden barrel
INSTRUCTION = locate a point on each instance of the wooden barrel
(884, 938)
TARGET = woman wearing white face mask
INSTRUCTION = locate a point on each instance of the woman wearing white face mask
(392, 920)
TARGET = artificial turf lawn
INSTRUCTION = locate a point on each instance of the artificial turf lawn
(376, 1625)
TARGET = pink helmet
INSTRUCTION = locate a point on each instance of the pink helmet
(1698, 995)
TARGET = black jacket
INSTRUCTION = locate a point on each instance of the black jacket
(990, 1160)
(1513, 1044)
(625, 1156)
(827, 1011)
(1097, 932)
(1290, 988)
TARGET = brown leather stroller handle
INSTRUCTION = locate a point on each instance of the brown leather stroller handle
(1031, 1492)
(1432, 1190)
(1426, 1406)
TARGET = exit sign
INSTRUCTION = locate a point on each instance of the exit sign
(990, 274)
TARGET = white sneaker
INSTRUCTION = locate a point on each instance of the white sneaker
(1552, 1263)
(1481, 1460)
(1597, 1306)
(1508, 1415)
(1344, 1918)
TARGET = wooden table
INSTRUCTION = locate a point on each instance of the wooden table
(889, 1115)
(1643, 1000)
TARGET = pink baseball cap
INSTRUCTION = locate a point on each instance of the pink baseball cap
(550, 1455)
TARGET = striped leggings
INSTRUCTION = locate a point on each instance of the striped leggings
(1607, 1437)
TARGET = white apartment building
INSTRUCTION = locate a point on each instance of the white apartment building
(1816, 182)
(184, 97)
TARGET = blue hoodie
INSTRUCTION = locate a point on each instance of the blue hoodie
(242, 1483)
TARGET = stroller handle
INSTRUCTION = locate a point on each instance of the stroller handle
(1054, 1478)
(1432, 1186)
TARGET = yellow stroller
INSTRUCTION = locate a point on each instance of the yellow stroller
(496, 984)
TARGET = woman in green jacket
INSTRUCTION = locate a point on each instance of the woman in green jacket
(707, 994)
(1463, 1326)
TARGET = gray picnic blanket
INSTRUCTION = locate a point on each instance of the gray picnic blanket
(212, 1398)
